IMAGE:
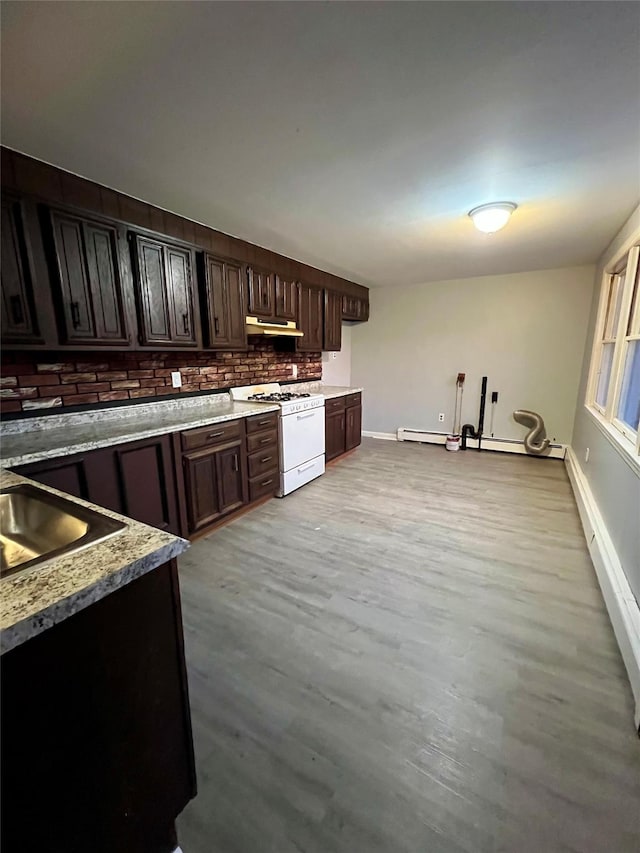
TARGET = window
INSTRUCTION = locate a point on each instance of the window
(614, 387)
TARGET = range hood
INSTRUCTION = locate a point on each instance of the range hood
(275, 328)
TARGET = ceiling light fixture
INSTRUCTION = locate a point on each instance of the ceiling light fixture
(492, 217)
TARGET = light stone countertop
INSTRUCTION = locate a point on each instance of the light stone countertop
(328, 391)
(42, 596)
(33, 439)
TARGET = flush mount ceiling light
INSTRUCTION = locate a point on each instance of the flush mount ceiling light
(492, 217)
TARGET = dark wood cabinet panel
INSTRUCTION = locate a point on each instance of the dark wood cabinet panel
(201, 487)
(165, 293)
(66, 474)
(260, 292)
(223, 304)
(213, 434)
(19, 315)
(136, 479)
(332, 327)
(84, 256)
(353, 434)
(214, 483)
(285, 299)
(230, 474)
(113, 754)
(309, 318)
(334, 434)
(355, 308)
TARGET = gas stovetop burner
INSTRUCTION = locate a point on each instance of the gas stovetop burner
(282, 397)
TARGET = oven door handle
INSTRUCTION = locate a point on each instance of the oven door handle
(303, 417)
(308, 468)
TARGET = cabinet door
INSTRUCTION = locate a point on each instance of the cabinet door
(19, 323)
(334, 435)
(332, 339)
(87, 270)
(231, 478)
(145, 480)
(223, 304)
(67, 474)
(354, 427)
(179, 263)
(285, 299)
(164, 285)
(260, 291)
(201, 484)
(309, 319)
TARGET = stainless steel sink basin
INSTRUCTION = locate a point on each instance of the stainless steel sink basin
(36, 526)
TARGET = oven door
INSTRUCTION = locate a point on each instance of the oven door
(302, 437)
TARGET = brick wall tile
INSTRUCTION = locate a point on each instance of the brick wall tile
(93, 387)
(59, 390)
(111, 375)
(40, 379)
(140, 374)
(156, 382)
(56, 367)
(18, 393)
(78, 377)
(108, 396)
(77, 399)
(10, 406)
(125, 384)
(8, 381)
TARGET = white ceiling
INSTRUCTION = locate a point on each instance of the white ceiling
(352, 136)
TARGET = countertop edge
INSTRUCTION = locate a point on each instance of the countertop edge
(37, 623)
(151, 432)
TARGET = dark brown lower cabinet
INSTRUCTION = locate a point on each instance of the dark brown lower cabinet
(136, 479)
(353, 435)
(343, 424)
(214, 483)
(97, 752)
(334, 434)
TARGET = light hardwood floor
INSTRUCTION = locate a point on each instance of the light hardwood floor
(409, 655)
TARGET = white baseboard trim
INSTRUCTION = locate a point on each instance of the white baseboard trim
(386, 436)
(503, 445)
(621, 604)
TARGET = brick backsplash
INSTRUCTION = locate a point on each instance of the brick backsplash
(35, 381)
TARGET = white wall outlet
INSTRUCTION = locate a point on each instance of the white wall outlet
(334, 355)
(441, 417)
(176, 379)
(586, 455)
(294, 371)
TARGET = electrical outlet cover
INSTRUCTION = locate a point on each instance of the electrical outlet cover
(441, 417)
(176, 379)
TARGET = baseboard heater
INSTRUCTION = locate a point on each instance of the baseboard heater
(506, 445)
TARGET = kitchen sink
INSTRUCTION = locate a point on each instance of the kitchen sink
(36, 526)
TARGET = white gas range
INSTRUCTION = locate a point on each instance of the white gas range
(301, 432)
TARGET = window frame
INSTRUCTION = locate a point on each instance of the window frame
(627, 330)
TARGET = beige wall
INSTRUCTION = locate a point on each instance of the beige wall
(615, 484)
(336, 366)
(525, 331)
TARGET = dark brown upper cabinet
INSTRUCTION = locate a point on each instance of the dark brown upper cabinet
(332, 334)
(285, 299)
(309, 318)
(260, 293)
(222, 304)
(164, 286)
(355, 308)
(86, 270)
(19, 317)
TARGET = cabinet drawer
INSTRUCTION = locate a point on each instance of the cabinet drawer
(354, 399)
(257, 423)
(336, 404)
(262, 440)
(263, 461)
(214, 434)
(263, 486)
